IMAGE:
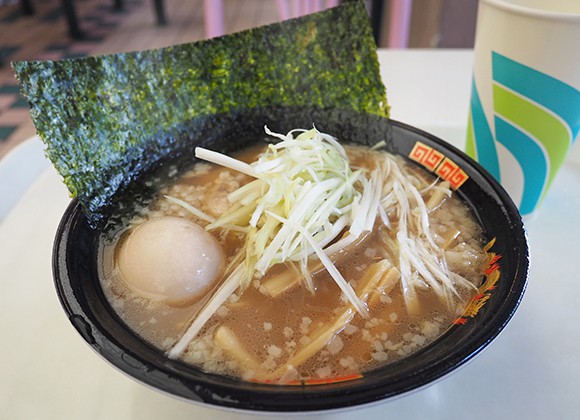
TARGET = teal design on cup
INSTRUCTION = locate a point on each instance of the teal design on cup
(536, 118)
(534, 166)
(483, 150)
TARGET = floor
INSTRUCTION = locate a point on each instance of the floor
(44, 36)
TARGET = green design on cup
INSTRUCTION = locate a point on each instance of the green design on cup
(540, 125)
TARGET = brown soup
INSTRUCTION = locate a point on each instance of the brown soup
(277, 330)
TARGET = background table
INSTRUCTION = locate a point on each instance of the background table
(532, 371)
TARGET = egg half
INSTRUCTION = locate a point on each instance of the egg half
(170, 259)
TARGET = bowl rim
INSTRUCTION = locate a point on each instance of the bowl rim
(100, 329)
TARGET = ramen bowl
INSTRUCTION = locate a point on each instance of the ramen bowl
(76, 273)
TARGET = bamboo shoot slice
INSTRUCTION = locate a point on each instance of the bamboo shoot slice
(317, 342)
(378, 275)
(281, 283)
(226, 340)
(450, 238)
(388, 281)
(439, 194)
(372, 278)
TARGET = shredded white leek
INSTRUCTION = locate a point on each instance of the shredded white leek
(422, 262)
(303, 196)
(307, 182)
(332, 270)
(193, 210)
(228, 287)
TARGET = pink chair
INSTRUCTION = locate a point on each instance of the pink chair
(399, 25)
(288, 9)
(213, 11)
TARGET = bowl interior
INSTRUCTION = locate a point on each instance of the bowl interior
(76, 276)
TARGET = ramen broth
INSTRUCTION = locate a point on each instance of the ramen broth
(263, 329)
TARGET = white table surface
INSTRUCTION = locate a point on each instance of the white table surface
(532, 371)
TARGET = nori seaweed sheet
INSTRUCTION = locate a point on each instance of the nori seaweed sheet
(106, 120)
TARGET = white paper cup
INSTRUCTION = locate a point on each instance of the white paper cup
(525, 104)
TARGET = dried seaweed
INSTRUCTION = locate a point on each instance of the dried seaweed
(108, 119)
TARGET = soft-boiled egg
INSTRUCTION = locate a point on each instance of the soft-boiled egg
(170, 259)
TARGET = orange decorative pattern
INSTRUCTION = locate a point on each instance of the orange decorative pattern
(331, 380)
(315, 381)
(439, 164)
(492, 274)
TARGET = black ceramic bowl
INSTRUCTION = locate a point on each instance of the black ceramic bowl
(77, 282)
